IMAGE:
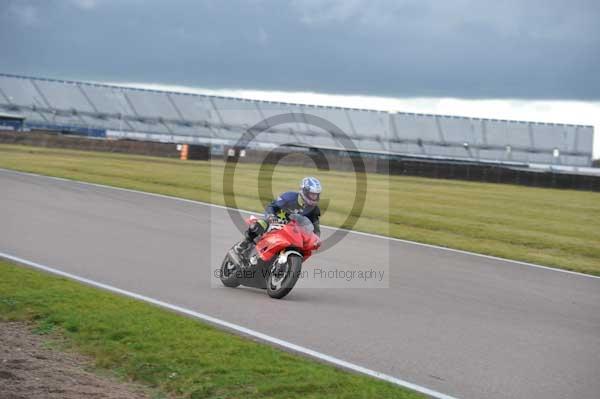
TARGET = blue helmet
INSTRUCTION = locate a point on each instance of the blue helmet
(310, 190)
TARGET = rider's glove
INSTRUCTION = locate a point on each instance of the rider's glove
(271, 218)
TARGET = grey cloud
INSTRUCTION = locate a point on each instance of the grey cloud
(461, 48)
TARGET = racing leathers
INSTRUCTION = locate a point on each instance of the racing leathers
(279, 210)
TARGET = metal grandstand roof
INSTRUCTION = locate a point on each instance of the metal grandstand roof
(182, 117)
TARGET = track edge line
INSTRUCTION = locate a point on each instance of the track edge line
(234, 327)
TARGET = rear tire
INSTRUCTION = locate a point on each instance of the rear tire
(228, 273)
(280, 284)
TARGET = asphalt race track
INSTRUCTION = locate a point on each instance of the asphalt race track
(465, 325)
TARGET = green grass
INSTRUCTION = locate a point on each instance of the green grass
(557, 228)
(172, 354)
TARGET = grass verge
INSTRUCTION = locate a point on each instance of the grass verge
(176, 355)
(557, 228)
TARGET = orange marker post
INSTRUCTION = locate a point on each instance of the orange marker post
(183, 155)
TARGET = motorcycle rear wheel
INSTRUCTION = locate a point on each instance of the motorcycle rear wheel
(280, 284)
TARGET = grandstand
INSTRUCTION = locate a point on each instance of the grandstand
(117, 112)
(11, 121)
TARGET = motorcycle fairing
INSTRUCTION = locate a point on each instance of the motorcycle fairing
(275, 241)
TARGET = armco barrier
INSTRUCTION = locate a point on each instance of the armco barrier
(45, 139)
(429, 168)
(492, 174)
(334, 161)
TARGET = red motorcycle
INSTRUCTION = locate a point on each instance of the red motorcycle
(274, 263)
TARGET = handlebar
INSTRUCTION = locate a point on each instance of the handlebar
(275, 226)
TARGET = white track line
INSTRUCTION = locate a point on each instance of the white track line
(517, 262)
(235, 327)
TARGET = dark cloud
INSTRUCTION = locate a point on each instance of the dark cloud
(468, 48)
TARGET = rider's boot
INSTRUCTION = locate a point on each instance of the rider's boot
(242, 246)
(249, 236)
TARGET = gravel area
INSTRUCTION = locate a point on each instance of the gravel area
(30, 370)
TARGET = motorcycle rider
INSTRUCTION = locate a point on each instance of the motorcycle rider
(304, 202)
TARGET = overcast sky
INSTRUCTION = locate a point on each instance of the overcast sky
(516, 52)
(540, 49)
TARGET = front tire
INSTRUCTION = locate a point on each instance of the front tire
(280, 282)
(228, 274)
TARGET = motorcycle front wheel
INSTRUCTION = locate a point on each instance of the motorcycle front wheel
(228, 273)
(281, 280)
